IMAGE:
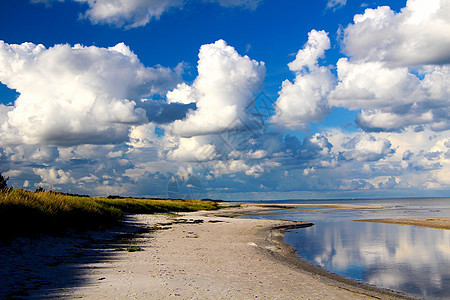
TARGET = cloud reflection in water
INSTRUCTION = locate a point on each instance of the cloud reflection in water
(410, 259)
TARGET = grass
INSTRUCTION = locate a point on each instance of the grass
(148, 206)
(24, 212)
(130, 249)
(134, 249)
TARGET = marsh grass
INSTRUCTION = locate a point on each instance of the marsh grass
(24, 212)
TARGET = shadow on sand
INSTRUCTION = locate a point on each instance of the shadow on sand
(40, 266)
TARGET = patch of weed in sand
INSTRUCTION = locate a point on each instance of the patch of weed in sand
(134, 249)
(130, 249)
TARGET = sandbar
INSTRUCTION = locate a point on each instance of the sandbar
(439, 223)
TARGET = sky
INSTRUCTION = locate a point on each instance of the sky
(233, 100)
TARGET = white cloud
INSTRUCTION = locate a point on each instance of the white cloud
(306, 99)
(250, 4)
(51, 177)
(387, 121)
(441, 153)
(31, 154)
(123, 13)
(142, 135)
(419, 34)
(365, 147)
(195, 149)
(71, 95)
(46, 2)
(309, 171)
(373, 86)
(393, 98)
(335, 4)
(420, 160)
(128, 13)
(257, 170)
(137, 13)
(405, 109)
(225, 86)
(233, 166)
(307, 57)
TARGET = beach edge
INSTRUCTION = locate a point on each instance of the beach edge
(273, 236)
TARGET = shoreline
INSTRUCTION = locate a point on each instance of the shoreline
(197, 255)
(437, 223)
(211, 255)
(287, 254)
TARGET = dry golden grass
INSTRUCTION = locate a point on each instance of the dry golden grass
(23, 212)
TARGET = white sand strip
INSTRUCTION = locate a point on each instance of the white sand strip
(220, 258)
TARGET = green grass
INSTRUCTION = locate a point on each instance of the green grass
(130, 249)
(24, 212)
(134, 249)
(149, 206)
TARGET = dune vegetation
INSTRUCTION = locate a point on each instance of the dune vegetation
(25, 212)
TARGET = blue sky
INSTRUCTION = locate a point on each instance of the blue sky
(249, 99)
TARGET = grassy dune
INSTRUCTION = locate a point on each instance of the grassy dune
(149, 206)
(24, 212)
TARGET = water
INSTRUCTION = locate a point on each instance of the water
(409, 259)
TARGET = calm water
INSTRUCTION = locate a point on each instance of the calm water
(410, 259)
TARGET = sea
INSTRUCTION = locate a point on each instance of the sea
(409, 259)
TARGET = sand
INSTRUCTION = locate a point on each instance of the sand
(201, 255)
(439, 223)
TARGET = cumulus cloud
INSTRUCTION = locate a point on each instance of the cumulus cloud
(142, 135)
(397, 71)
(312, 147)
(318, 42)
(390, 183)
(75, 95)
(441, 151)
(128, 13)
(419, 34)
(233, 166)
(137, 13)
(365, 147)
(224, 88)
(306, 99)
(194, 149)
(393, 98)
(53, 177)
(32, 154)
(66, 102)
(122, 13)
(373, 86)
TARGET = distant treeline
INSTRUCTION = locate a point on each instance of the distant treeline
(61, 193)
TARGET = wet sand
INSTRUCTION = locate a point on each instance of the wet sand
(208, 255)
(439, 223)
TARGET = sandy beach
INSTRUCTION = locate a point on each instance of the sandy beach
(200, 255)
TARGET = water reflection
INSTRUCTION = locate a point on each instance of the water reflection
(411, 259)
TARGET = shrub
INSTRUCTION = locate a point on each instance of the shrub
(3, 181)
